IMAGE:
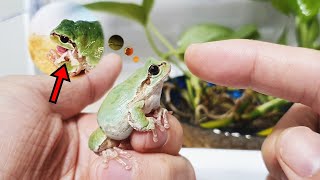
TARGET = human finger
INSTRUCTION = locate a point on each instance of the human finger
(287, 72)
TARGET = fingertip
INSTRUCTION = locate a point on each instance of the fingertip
(192, 59)
(112, 60)
(268, 151)
(297, 151)
(143, 141)
(225, 62)
(169, 141)
(191, 49)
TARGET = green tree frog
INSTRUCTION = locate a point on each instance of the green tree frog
(132, 105)
(80, 45)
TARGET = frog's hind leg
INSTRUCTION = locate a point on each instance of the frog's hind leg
(119, 155)
(102, 145)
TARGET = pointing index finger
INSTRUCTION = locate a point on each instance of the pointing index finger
(287, 72)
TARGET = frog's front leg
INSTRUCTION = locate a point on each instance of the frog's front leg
(140, 122)
(53, 55)
(161, 114)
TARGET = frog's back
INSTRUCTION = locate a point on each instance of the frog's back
(94, 39)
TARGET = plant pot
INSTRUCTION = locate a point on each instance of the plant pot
(224, 118)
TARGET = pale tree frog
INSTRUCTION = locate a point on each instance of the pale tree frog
(80, 45)
(132, 105)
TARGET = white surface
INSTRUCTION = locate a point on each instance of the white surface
(11, 8)
(56, 12)
(226, 164)
(13, 48)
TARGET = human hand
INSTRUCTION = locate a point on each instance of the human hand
(40, 140)
(292, 150)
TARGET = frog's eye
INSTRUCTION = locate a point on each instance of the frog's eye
(154, 70)
(64, 39)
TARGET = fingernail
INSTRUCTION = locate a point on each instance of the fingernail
(299, 150)
(112, 170)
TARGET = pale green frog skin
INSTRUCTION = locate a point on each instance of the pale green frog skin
(126, 106)
(83, 42)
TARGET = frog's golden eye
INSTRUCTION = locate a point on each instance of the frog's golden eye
(154, 70)
(64, 39)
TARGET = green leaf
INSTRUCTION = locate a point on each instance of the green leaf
(147, 6)
(283, 37)
(282, 5)
(203, 33)
(307, 31)
(304, 8)
(308, 8)
(128, 10)
(249, 31)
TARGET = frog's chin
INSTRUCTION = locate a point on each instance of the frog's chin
(165, 78)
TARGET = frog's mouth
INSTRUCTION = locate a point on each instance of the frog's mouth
(61, 50)
(61, 54)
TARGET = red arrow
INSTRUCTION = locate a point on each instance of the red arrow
(61, 74)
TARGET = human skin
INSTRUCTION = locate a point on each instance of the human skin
(292, 150)
(41, 140)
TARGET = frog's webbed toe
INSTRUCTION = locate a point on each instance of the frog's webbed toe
(121, 156)
(161, 115)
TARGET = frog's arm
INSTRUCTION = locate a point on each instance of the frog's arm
(138, 120)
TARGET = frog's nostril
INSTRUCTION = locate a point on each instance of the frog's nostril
(163, 63)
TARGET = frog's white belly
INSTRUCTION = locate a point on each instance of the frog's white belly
(153, 101)
(120, 130)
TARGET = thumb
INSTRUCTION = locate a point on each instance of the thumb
(298, 153)
(83, 90)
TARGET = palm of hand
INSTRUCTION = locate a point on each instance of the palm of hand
(44, 144)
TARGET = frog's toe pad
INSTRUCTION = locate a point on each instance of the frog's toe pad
(121, 156)
(162, 115)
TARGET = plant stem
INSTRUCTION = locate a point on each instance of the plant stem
(162, 39)
(167, 44)
(265, 132)
(216, 123)
(152, 43)
(263, 108)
